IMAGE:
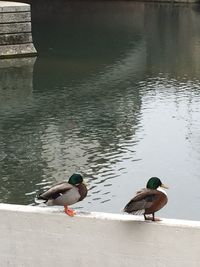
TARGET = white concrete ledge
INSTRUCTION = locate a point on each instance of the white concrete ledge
(36, 236)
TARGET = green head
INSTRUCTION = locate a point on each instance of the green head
(154, 183)
(75, 179)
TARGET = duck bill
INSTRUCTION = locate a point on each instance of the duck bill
(164, 186)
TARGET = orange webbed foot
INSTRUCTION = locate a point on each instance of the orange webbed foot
(69, 211)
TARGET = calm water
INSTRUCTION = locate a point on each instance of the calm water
(115, 94)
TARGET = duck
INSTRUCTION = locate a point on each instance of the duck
(148, 200)
(65, 193)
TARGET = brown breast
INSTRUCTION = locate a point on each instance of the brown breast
(157, 204)
(82, 191)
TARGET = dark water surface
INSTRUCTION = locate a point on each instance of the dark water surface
(115, 94)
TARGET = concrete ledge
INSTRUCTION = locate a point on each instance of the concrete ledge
(36, 236)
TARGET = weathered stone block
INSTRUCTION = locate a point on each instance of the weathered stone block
(15, 27)
(15, 17)
(17, 50)
(15, 30)
(19, 38)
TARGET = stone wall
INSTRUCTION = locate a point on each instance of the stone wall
(15, 30)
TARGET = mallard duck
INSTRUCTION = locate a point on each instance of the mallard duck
(66, 193)
(148, 200)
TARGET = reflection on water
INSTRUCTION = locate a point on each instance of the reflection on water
(113, 95)
(16, 83)
(16, 86)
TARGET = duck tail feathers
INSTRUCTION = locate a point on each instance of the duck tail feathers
(40, 200)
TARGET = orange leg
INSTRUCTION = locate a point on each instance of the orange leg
(69, 211)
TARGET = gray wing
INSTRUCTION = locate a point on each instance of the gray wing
(143, 200)
(55, 191)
